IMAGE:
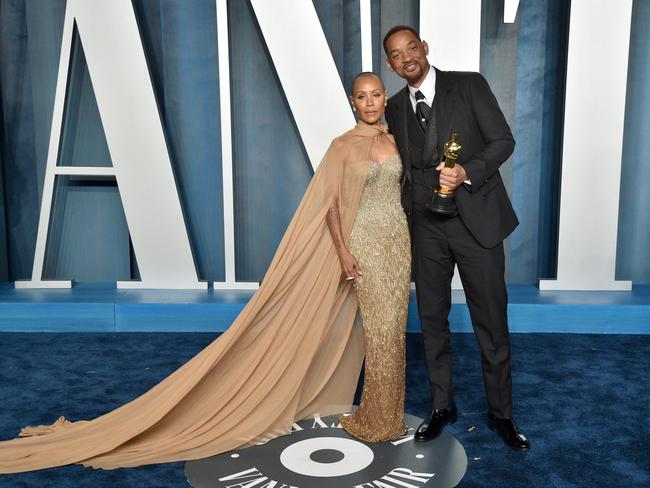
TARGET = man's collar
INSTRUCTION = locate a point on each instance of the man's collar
(427, 87)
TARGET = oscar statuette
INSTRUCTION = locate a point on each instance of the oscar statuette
(443, 198)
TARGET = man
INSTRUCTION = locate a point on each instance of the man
(422, 117)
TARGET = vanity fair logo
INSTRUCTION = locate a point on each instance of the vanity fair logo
(399, 475)
(320, 454)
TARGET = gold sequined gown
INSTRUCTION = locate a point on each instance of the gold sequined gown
(380, 242)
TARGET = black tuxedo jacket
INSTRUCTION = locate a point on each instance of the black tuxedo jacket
(463, 103)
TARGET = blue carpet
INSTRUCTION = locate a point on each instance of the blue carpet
(581, 399)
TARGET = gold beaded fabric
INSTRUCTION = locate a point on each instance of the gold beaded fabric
(380, 241)
(295, 351)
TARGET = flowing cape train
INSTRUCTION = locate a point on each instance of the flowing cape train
(294, 351)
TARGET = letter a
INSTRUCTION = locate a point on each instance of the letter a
(141, 166)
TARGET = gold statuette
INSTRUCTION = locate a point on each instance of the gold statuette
(443, 197)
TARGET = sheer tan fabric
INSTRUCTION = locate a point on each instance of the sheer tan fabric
(293, 352)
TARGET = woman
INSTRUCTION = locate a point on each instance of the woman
(379, 244)
(296, 349)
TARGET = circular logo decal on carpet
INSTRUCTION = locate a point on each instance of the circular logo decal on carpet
(320, 454)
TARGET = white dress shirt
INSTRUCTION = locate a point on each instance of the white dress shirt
(427, 87)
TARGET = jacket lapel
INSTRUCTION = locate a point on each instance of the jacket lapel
(440, 116)
(431, 135)
(444, 107)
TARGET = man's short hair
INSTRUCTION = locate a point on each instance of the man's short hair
(399, 28)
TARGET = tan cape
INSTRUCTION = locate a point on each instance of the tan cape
(294, 351)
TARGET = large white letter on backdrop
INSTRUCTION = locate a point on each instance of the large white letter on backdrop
(315, 71)
(599, 41)
(118, 71)
(452, 28)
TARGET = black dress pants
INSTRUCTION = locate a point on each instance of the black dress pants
(439, 243)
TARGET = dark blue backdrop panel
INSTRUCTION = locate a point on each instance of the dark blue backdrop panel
(30, 40)
(540, 68)
(44, 29)
(4, 263)
(88, 238)
(270, 167)
(633, 261)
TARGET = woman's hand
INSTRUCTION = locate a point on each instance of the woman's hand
(350, 266)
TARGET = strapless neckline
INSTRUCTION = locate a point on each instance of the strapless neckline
(388, 159)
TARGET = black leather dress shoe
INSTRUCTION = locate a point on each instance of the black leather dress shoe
(509, 432)
(430, 429)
